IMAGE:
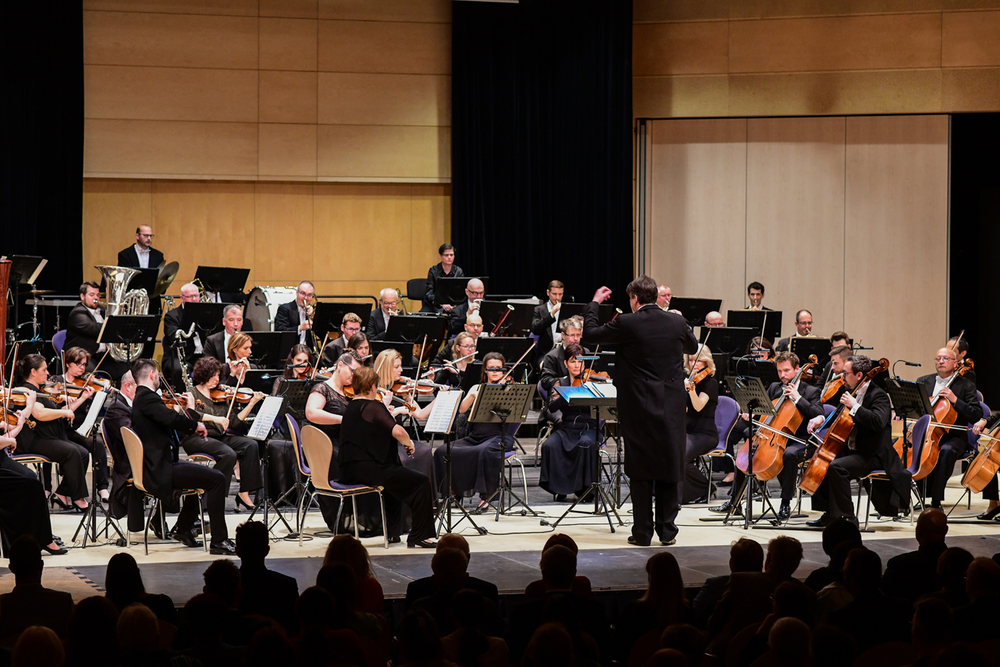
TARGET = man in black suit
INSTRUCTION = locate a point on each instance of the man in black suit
(154, 423)
(745, 555)
(264, 592)
(553, 364)
(872, 618)
(545, 319)
(755, 293)
(30, 603)
(803, 328)
(869, 446)
(83, 326)
(649, 375)
(350, 325)
(378, 321)
(426, 586)
(474, 292)
(217, 343)
(962, 395)
(914, 574)
(125, 499)
(142, 254)
(190, 348)
(294, 315)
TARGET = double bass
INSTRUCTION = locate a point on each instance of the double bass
(841, 423)
(769, 442)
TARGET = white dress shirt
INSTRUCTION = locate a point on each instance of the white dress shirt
(143, 254)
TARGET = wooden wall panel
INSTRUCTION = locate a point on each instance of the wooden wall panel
(389, 152)
(698, 208)
(170, 93)
(897, 235)
(218, 7)
(287, 151)
(680, 48)
(287, 97)
(288, 44)
(795, 216)
(384, 99)
(111, 212)
(416, 11)
(680, 96)
(299, 9)
(970, 39)
(384, 47)
(285, 257)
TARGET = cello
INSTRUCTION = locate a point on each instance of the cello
(984, 467)
(769, 442)
(839, 432)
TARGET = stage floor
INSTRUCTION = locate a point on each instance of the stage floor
(508, 555)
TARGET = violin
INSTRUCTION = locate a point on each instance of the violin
(841, 424)
(695, 379)
(986, 464)
(12, 418)
(225, 394)
(16, 397)
(404, 387)
(769, 443)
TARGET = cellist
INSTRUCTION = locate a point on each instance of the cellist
(961, 393)
(991, 492)
(869, 444)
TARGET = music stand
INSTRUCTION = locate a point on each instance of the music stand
(590, 395)
(471, 376)
(605, 311)
(88, 523)
(412, 329)
(803, 346)
(440, 421)
(207, 317)
(451, 290)
(129, 330)
(768, 320)
(766, 371)
(260, 430)
(753, 400)
(495, 404)
(270, 348)
(219, 279)
(24, 270)
(695, 310)
(910, 402)
(261, 379)
(731, 340)
(329, 316)
(517, 323)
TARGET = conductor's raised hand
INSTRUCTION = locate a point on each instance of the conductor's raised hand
(602, 294)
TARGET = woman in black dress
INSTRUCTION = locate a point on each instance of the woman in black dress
(368, 455)
(702, 435)
(567, 454)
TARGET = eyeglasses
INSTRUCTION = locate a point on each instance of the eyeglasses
(944, 359)
(148, 236)
(306, 294)
(475, 292)
(495, 370)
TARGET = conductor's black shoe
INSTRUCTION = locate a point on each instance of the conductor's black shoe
(821, 522)
(186, 538)
(636, 543)
(784, 512)
(559, 497)
(668, 543)
(422, 544)
(223, 548)
(723, 508)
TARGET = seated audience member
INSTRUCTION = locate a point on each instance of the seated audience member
(872, 617)
(932, 629)
(222, 579)
(202, 613)
(745, 555)
(123, 586)
(790, 600)
(419, 641)
(687, 639)
(91, 624)
(662, 605)
(30, 603)
(840, 530)
(789, 642)
(587, 616)
(270, 646)
(138, 633)
(975, 621)
(831, 647)
(468, 645)
(581, 584)
(914, 574)
(550, 646)
(264, 592)
(348, 550)
(426, 586)
(836, 594)
(951, 569)
(450, 576)
(321, 640)
(339, 581)
(38, 645)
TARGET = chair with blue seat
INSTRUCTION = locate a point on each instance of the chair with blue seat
(318, 452)
(59, 341)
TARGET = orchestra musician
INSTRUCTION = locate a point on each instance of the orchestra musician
(218, 343)
(155, 425)
(453, 370)
(359, 347)
(755, 293)
(298, 366)
(141, 254)
(545, 318)
(663, 297)
(475, 459)
(838, 356)
(50, 437)
(446, 268)
(553, 364)
(760, 348)
(714, 319)
(368, 454)
(567, 465)
(125, 499)
(803, 328)
(839, 341)
(961, 393)
(702, 434)
(378, 321)
(869, 446)
(191, 348)
(297, 315)
(349, 325)
(83, 326)
(221, 443)
(474, 292)
(961, 345)
(990, 491)
(238, 351)
(473, 327)
(649, 376)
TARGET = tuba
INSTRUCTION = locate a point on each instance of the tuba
(119, 302)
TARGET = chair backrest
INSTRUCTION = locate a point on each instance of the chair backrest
(133, 448)
(296, 434)
(726, 413)
(973, 438)
(318, 451)
(827, 411)
(416, 288)
(59, 341)
(542, 392)
(917, 442)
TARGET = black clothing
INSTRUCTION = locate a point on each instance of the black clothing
(912, 575)
(954, 443)
(418, 589)
(125, 499)
(215, 346)
(130, 258)
(171, 364)
(268, 593)
(23, 508)
(568, 453)
(456, 318)
(433, 273)
(52, 440)
(874, 619)
(475, 459)
(376, 325)
(703, 421)
(649, 375)
(82, 329)
(553, 367)
(332, 351)
(541, 326)
(225, 447)
(336, 404)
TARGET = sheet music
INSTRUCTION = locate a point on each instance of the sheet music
(443, 412)
(264, 420)
(605, 389)
(97, 402)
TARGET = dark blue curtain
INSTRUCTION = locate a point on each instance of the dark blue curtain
(542, 144)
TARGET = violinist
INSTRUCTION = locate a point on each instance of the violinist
(358, 346)
(453, 370)
(961, 345)
(350, 325)
(961, 393)
(553, 365)
(473, 326)
(446, 268)
(221, 444)
(702, 395)
(545, 318)
(298, 364)
(834, 385)
(238, 351)
(760, 348)
(803, 329)
(869, 446)
(990, 492)
(567, 466)
(475, 459)
(388, 367)
(297, 315)
(50, 437)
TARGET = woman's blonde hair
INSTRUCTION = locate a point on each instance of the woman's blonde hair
(383, 366)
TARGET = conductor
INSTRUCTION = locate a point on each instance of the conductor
(649, 376)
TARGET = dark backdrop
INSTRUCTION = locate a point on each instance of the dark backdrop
(41, 137)
(975, 236)
(542, 144)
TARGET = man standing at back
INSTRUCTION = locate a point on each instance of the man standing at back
(649, 376)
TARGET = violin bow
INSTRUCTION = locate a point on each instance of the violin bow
(62, 356)
(86, 376)
(236, 391)
(319, 352)
(530, 348)
(701, 350)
